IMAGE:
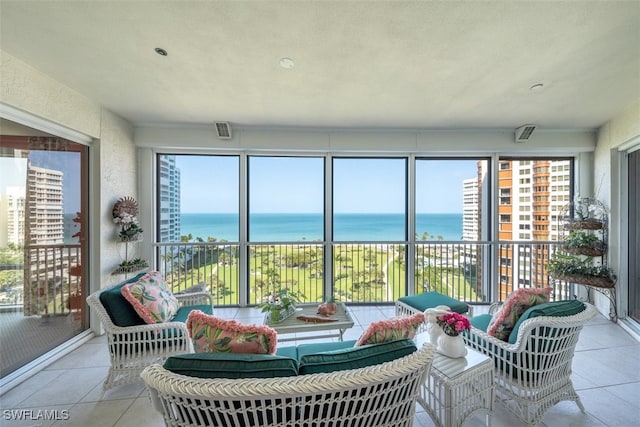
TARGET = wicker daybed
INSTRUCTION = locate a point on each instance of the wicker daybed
(378, 395)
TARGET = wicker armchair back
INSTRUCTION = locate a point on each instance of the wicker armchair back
(134, 347)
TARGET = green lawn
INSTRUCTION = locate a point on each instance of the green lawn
(363, 273)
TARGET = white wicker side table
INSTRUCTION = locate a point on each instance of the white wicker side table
(458, 388)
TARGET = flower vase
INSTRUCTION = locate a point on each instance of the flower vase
(434, 331)
(451, 346)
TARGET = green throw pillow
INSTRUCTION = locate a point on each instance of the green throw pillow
(119, 309)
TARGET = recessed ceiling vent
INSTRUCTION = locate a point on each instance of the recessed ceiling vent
(523, 133)
(223, 129)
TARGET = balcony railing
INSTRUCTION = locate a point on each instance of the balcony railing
(377, 272)
(48, 282)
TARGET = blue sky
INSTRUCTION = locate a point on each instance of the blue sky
(284, 184)
(14, 173)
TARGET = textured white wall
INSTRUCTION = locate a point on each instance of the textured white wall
(384, 141)
(113, 155)
(118, 178)
(609, 189)
(27, 89)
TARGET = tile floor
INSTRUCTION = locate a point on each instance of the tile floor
(606, 376)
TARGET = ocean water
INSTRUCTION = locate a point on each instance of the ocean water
(279, 227)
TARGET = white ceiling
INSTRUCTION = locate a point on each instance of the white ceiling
(395, 64)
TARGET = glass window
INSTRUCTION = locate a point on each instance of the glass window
(198, 198)
(369, 199)
(286, 199)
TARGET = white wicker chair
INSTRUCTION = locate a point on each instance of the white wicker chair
(132, 348)
(380, 395)
(534, 373)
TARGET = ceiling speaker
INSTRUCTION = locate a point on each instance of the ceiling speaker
(523, 133)
(223, 129)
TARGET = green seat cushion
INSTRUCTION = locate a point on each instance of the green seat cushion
(433, 299)
(119, 309)
(183, 312)
(354, 357)
(554, 309)
(232, 365)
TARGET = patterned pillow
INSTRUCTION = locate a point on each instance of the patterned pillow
(518, 302)
(213, 334)
(391, 329)
(151, 298)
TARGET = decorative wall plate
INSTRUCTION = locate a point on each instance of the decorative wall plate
(125, 205)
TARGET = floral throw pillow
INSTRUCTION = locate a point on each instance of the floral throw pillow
(211, 334)
(392, 329)
(516, 304)
(151, 298)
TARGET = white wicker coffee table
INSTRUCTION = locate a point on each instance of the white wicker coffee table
(301, 329)
(458, 388)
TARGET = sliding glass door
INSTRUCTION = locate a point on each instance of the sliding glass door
(634, 234)
(43, 243)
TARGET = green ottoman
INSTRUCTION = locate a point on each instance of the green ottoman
(409, 305)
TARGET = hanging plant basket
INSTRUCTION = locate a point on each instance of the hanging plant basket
(130, 267)
(584, 250)
(585, 224)
(133, 238)
(598, 282)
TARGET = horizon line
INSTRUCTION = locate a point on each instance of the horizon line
(321, 213)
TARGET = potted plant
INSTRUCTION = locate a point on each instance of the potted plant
(279, 305)
(581, 270)
(584, 243)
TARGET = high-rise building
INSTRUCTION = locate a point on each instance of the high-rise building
(470, 209)
(44, 228)
(532, 194)
(44, 206)
(12, 219)
(169, 186)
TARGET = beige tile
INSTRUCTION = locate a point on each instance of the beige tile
(125, 391)
(16, 396)
(605, 375)
(141, 413)
(70, 386)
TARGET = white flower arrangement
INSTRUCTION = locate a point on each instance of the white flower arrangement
(125, 219)
(124, 213)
